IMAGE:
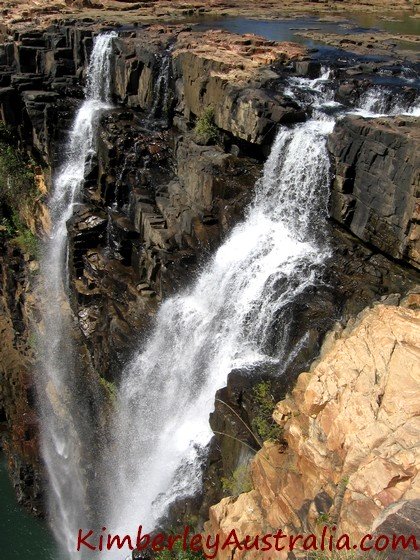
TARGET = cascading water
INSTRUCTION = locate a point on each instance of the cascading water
(221, 323)
(377, 102)
(64, 414)
(161, 89)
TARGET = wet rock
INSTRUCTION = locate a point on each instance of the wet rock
(87, 229)
(308, 68)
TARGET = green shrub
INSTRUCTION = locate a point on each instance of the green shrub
(32, 341)
(178, 554)
(20, 235)
(27, 242)
(239, 482)
(17, 184)
(18, 193)
(324, 519)
(205, 126)
(263, 423)
(109, 387)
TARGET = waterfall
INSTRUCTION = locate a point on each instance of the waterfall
(161, 88)
(377, 102)
(220, 323)
(224, 321)
(64, 411)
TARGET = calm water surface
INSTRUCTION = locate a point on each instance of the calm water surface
(22, 537)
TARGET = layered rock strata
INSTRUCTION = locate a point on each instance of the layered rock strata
(375, 192)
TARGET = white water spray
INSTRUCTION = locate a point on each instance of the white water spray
(61, 401)
(380, 102)
(221, 323)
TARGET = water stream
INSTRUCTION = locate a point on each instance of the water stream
(63, 407)
(222, 322)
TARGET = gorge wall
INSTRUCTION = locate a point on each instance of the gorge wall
(163, 193)
(18, 417)
(375, 192)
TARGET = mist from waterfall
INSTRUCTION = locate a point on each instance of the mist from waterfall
(63, 409)
(220, 323)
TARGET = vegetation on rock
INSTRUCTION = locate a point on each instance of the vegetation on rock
(263, 423)
(17, 185)
(205, 127)
(110, 388)
(239, 482)
(17, 194)
(13, 229)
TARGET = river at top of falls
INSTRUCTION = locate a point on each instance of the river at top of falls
(64, 423)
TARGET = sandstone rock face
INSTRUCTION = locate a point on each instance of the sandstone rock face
(222, 71)
(352, 428)
(217, 69)
(152, 201)
(375, 191)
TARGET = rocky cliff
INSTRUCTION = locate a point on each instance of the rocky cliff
(375, 190)
(350, 426)
(18, 417)
(171, 178)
